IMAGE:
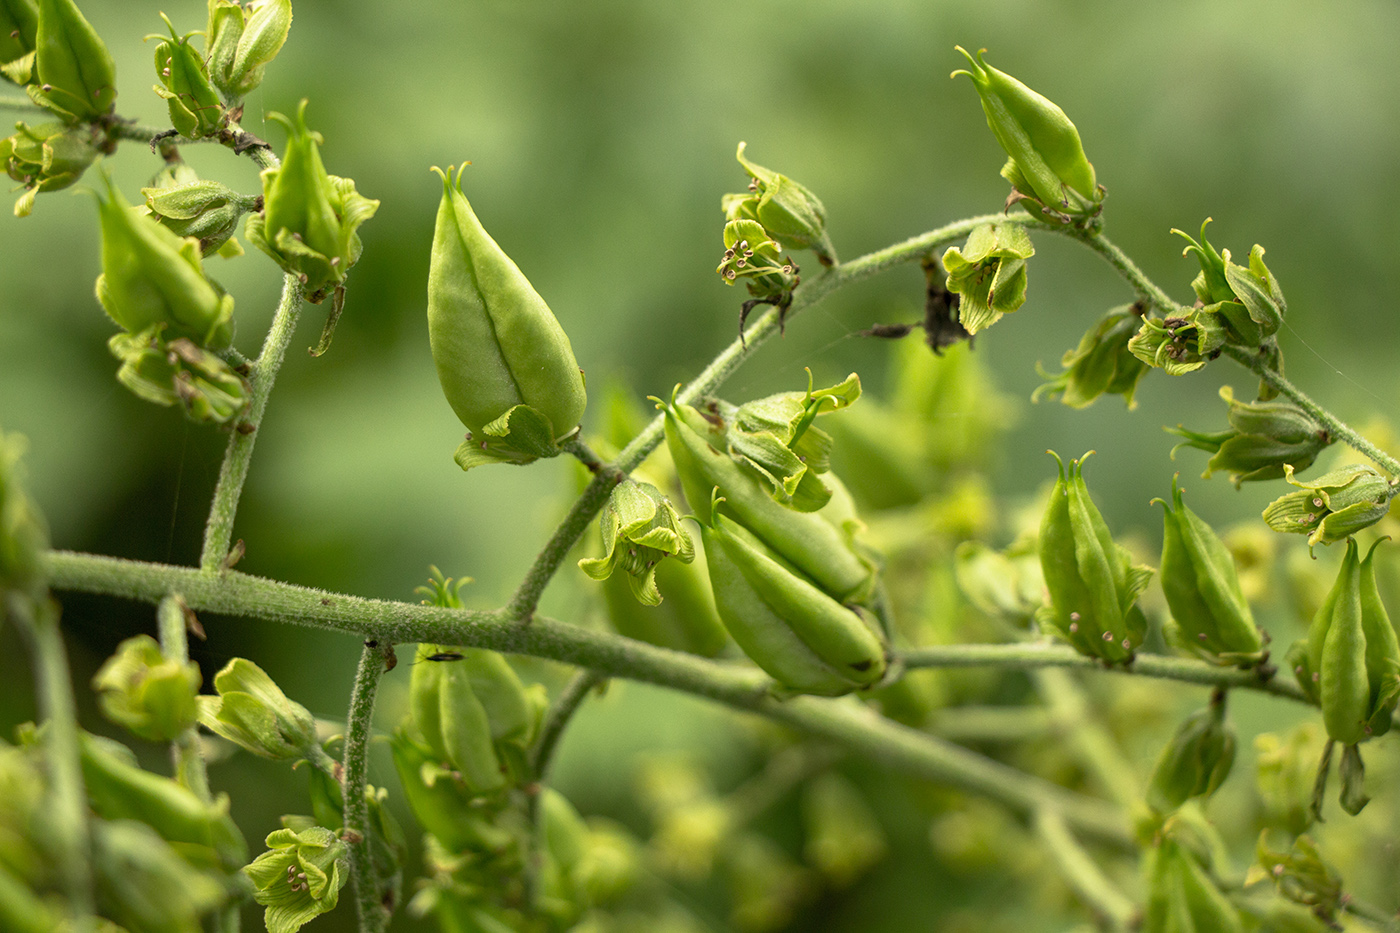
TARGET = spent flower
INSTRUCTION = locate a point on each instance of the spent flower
(143, 691)
(1333, 506)
(1102, 364)
(787, 210)
(299, 877)
(988, 273)
(640, 528)
(1261, 439)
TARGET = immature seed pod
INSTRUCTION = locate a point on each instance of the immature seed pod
(195, 109)
(505, 364)
(177, 372)
(252, 712)
(205, 210)
(1333, 506)
(1249, 301)
(1181, 896)
(1211, 616)
(989, 273)
(1091, 581)
(241, 41)
(1047, 161)
(139, 689)
(74, 75)
(1101, 364)
(1263, 436)
(1195, 761)
(823, 551)
(19, 26)
(788, 210)
(808, 641)
(150, 277)
(1179, 345)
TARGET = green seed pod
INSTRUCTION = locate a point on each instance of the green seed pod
(1249, 301)
(1091, 581)
(439, 799)
(299, 877)
(205, 210)
(640, 528)
(74, 75)
(1332, 667)
(775, 436)
(194, 106)
(1211, 617)
(309, 218)
(241, 41)
(1179, 345)
(1195, 761)
(1286, 767)
(19, 27)
(150, 276)
(179, 373)
(139, 689)
(119, 790)
(1101, 364)
(1047, 162)
(1263, 436)
(24, 536)
(505, 364)
(685, 620)
(1333, 506)
(1382, 651)
(1181, 895)
(48, 157)
(253, 713)
(785, 208)
(823, 551)
(989, 273)
(144, 884)
(806, 640)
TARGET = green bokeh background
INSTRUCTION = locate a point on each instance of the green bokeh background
(602, 136)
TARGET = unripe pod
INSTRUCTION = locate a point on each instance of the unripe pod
(19, 24)
(241, 42)
(808, 641)
(1333, 506)
(505, 364)
(1196, 760)
(1181, 896)
(195, 109)
(74, 75)
(1263, 436)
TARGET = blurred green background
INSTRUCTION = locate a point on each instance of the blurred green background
(602, 136)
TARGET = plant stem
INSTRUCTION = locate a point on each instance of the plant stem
(809, 293)
(66, 819)
(185, 750)
(9, 102)
(218, 533)
(992, 724)
(359, 723)
(1080, 871)
(560, 712)
(1087, 736)
(140, 133)
(843, 722)
(1336, 427)
(1146, 289)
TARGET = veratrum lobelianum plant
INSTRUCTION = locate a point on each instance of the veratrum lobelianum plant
(736, 565)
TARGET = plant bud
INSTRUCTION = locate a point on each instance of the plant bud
(685, 620)
(1333, 506)
(253, 713)
(241, 41)
(843, 837)
(754, 256)
(640, 528)
(506, 366)
(1091, 581)
(205, 210)
(19, 26)
(989, 273)
(47, 157)
(806, 640)
(785, 209)
(299, 877)
(74, 75)
(139, 689)
(118, 789)
(150, 276)
(1301, 875)
(309, 218)
(823, 550)
(195, 109)
(24, 536)
(1263, 436)
(775, 436)
(1178, 345)
(1047, 163)
(1101, 364)
(1211, 618)
(143, 883)
(1285, 768)
(1181, 895)
(179, 373)
(1195, 761)
(1248, 301)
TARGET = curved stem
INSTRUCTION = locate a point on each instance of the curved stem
(218, 533)
(848, 724)
(358, 729)
(1335, 426)
(1146, 289)
(1080, 871)
(1085, 733)
(560, 712)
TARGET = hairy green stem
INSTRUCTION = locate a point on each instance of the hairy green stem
(1087, 736)
(15, 102)
(809, 293)
(185, 750)
(1080, 871)
(218, 533)
(1146, 289)
(369, 901)
(992, 724)
(557, 719)
(1336, 427)
(845, 722)
(66, 816)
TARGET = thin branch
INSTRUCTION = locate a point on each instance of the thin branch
(218, 533)
(560, 712)
(1146, 289)
(1087, 736)
(185, 750)
(848, 724)
(15, 102)
(1336, 427)
(1081, 872)
(369, 901)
